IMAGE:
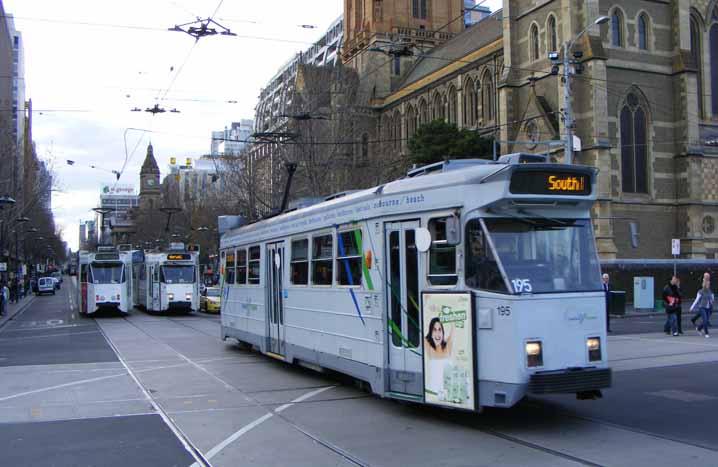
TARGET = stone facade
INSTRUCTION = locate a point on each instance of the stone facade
(636, 106)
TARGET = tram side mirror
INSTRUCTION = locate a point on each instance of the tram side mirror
(633, 228)
(453, 231)
(423, 239)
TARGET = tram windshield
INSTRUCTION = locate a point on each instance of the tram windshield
(177, 274)
(541, 255)
(107, 273)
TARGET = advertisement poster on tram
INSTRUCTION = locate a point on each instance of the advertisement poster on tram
(448, 350)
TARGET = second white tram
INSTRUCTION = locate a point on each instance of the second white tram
(466, 284)
(168, 281)
(105, 281)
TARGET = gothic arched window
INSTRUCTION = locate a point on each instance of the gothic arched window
(437, 107)
(487, 98)
(634, 146)
(397, 130)
(617, 28)
(696, 53)
(451, 106)
(552, 34)
(643, 30)
(411, 123)
(534, 42)
(423, 112)
(469, 103)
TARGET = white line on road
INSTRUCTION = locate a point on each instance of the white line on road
(47, 335)
(59, 386)
(184, 439)
(246, 428)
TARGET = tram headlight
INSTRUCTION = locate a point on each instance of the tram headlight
(534, 354)
(171, 296)
(188, 296)
(594, 349)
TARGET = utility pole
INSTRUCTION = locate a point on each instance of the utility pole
(568, 104)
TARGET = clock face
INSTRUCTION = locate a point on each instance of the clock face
(150, 182)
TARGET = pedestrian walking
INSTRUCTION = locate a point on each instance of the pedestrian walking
(607, 292)
(697, 313)
(13, 290)
(2, 298)
(703, 303)
(672, 300)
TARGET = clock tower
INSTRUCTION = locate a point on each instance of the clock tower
(150, 190)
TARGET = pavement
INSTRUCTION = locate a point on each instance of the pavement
(12, 309)
(165, 390)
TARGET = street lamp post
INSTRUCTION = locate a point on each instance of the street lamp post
(102, 212)
(32, 230)
(5, 200)
(19, 220)
(567, 74)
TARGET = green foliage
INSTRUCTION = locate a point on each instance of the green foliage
(439, 141)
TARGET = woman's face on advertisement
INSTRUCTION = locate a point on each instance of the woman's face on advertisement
(437, 333)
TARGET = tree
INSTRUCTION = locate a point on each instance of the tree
(440, 141)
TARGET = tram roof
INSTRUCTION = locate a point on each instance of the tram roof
(385, 199)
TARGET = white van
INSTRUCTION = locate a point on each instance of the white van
(46, 285)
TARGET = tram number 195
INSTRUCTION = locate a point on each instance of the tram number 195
(504, 311)
(522, 285)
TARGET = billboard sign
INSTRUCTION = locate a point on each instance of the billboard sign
(449, 360)
(118, 189)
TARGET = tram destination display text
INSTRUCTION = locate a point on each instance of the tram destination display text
(545, 182)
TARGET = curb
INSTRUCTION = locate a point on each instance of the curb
(23, 306)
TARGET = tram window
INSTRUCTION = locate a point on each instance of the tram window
(253, 268)
(442, 257)
(229, 269)
(349, 258)
(322, 257)
(241, 266)
(482, 270)
(300, 262)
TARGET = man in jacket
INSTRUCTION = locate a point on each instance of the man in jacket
(672, 299)
(607, 292)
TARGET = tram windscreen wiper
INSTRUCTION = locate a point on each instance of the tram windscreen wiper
(559, 222)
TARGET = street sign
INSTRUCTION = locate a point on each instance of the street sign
(676, 247)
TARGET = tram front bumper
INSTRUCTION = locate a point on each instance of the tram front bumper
(569, 381)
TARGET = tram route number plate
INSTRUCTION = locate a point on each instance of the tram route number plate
(504, 310)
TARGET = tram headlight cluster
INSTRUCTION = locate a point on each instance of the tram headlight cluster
(594, 349)
(534, 354)
(171, 296)
(188, 296)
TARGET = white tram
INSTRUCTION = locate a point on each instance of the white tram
(105, 281)
(465, 284)
(168, 281)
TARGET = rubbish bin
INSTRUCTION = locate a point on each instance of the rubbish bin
(617, 302)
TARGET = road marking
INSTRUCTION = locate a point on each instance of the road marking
(59, 386)
(46, 336)
(184, 439)
(246, 428)
(682, 396)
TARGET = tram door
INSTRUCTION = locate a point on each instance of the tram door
(275, 299)
(403, 295)
(155, 287)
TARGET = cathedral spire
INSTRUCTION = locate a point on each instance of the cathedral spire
(150, 164)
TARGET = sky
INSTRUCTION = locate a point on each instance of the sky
(89, 62)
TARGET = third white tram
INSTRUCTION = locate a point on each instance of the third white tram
(465, 284)
(168, 281)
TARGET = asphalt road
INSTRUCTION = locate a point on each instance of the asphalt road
(50, 341)
(75, 403)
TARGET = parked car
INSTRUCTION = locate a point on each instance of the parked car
(57, 282)
(57, 275)
(46, 285)
(210, 300)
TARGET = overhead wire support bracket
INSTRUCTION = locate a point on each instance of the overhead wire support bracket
(202, 28)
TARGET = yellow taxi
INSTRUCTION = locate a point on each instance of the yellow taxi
(210, 300)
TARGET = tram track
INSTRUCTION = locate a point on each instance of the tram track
(349, 457)
(273, 412)
(354, 460)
